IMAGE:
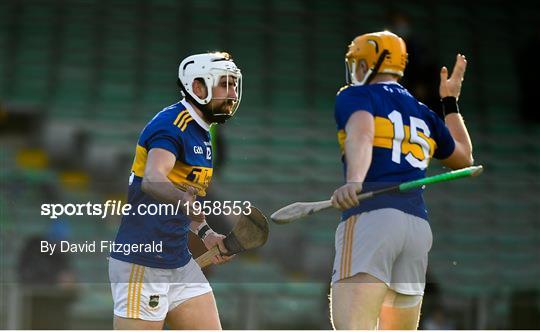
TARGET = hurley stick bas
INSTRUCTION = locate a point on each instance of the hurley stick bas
(250, 232)
(299, 210)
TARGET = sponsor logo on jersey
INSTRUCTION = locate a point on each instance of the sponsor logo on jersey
(198, 150)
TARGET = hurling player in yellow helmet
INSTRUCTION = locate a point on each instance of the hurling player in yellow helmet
(386, 137)
(383, 53)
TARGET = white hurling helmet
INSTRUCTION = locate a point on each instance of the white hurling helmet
(210, 67)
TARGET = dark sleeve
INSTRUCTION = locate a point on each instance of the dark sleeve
(349, 101)
(167, 137)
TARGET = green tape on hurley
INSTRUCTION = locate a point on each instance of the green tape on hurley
(460, 173)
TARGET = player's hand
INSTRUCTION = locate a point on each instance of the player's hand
(195, 216)
(451, 87)
(346, 196)
(189, 196)
(213, 239)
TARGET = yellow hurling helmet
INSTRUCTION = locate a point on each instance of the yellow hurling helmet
(384, 52)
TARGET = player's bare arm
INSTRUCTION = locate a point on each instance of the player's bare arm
(159, 164)
(360, 131)
(155, 183)
(451, 87)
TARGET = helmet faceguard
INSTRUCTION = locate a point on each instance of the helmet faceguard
(383, 52)
(211, 68)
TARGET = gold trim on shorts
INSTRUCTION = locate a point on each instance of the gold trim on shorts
(346, 249)
(134, 291)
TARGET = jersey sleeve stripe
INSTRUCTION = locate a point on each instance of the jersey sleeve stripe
(184, 119)
(186, 123)
(180, 115)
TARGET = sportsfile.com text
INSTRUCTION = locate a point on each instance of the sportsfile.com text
(118, 208)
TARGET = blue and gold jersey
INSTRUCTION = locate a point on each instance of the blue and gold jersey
(179, 130)
(407, 135)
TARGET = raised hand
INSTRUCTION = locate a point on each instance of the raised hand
(451, 87)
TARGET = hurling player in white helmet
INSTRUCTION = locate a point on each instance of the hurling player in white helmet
(157, 280)
(387, 137)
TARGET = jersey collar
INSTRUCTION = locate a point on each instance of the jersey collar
(389, 82)
(195, 116)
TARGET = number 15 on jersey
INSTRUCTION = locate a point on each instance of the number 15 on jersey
(415, 138)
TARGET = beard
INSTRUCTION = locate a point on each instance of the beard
(218, 113)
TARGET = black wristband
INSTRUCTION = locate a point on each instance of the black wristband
(449, 105)
(202, 232)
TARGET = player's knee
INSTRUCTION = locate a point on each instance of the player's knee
(400, 311)
(402, 301)
(353, 322)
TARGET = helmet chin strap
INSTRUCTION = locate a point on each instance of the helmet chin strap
(370, 74)
(367, 77)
